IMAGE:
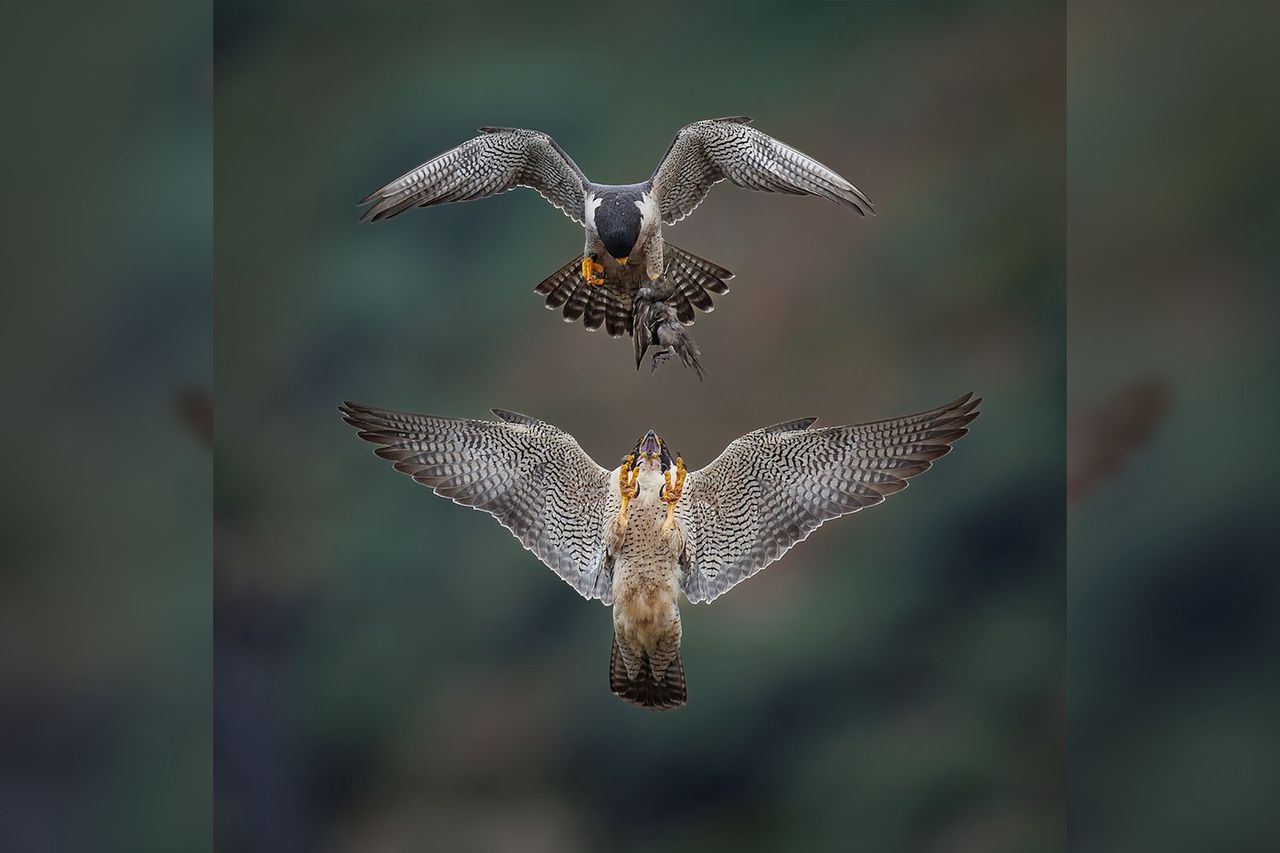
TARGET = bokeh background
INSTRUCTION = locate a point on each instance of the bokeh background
(354, 741)
(1173, 592)
(106, 514)
(394, 673)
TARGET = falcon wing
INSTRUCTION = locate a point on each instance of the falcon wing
(773, 487)
(532, 477)
(498, 160)
(707, 152)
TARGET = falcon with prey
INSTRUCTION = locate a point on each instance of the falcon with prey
(623, 222)
(637, 536)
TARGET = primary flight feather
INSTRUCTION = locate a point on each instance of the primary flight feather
(637, 536)
(622, 223)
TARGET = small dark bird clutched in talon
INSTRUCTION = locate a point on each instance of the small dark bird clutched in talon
(622, 224)
(658, 324)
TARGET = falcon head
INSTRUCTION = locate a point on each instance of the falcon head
(617, 221)
(651, 454)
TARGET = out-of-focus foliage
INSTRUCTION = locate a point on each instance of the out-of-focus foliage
(394, 672)
(1173, 584)
(105, 617)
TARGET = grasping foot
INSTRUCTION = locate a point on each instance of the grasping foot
(659, 359)
(628, 486)
(671, 494)
(591, 270)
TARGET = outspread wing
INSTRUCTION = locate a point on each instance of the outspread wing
(532, 477)
(773, 487)
(498, 160)
(707, 152)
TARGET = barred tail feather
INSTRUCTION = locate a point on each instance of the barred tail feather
(594, 317)
(711, 276)
(559, 286)
(595, 306)
(576, 305)
(684, 308)
(645, 690)
(695, 280)
(618, 318)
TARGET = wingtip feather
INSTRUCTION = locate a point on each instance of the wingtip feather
(511, 417)
(796, 425)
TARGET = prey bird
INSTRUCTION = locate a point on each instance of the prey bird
(657, 323)
(637, 536)
(622, 222)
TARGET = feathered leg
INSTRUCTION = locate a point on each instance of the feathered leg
(654, 253)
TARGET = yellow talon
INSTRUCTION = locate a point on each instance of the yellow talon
(590, 271)
(672, 495)
(628, 485)
(680, 474)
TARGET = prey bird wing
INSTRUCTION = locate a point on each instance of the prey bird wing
(531, 476)
(498, 160)
(707, 152)
(773, 487)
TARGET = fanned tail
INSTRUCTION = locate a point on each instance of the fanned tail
(645, 690)
(694, 280)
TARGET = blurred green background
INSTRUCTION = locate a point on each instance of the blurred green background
(1173, 592)
(396, 673)
(339, 727)
(106, 515)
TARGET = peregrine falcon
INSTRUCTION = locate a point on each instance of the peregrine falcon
(623, 222)
(638, 535)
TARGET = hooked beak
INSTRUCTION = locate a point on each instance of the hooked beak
(650, 446)
(623, 261)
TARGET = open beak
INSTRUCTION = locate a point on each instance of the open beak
(623, 261)
(650, 446)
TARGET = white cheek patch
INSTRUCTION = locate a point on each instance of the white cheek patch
(590, 210)
(648, 209)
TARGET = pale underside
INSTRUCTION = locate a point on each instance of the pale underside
(766, 492)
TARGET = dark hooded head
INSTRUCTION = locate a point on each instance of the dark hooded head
(618, 224)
